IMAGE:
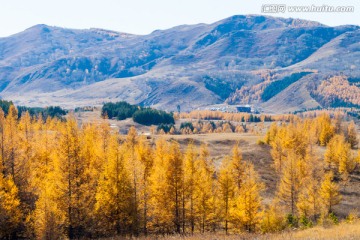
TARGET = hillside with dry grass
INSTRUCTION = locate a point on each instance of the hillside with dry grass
(237, 60)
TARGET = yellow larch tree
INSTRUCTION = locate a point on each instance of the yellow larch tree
(351, 135)
(70, 178)
(329, 193)
(10, 214)
(103, 138)
(311, 169)
(24, 162)
(339, 156)
(2, 142)
(43, 146)
(114, 194)
(237, 166)
(327, 130)
(136, 170)
(204, 197)
(174, 180)
(227, 189)
(48, 218)
(247, 210)
(160, 214)
(289, 185)
(278, 151)
(190, 172)
(271, 133)
(11, 142)
(144, 154)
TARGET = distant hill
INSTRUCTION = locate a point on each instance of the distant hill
(233, 60)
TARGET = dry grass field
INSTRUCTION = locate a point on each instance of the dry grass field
(343, 231)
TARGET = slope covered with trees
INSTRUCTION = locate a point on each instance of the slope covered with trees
(276, 87)
(338, 91)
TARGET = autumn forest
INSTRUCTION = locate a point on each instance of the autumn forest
(63, 180)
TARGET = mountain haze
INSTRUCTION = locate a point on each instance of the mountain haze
(233, 60)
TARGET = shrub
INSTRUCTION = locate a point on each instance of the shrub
(292, 220)
(187, 125)
(353, 216)
(305, 222)
(165, 127)
(272, 221)
(333, 218)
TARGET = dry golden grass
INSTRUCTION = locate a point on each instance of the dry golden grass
(344, 231)
(340, 232)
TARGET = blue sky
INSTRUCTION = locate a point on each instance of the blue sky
(145, 16)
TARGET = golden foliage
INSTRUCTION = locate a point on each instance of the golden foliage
(60, 180)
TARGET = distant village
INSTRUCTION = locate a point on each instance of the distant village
(234, 108)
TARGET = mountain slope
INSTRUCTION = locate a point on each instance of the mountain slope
(190, 65)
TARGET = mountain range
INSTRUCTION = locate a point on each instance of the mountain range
(276, 64)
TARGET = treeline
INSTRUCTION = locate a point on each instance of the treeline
(145, 116)
(52, 111)
(196, 127)
(62, 181)
(227, 116)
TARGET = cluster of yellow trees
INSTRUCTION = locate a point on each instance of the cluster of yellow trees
(227, 116)
(210, 127)
(60, 180)
(307, 188)
(338, 89)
